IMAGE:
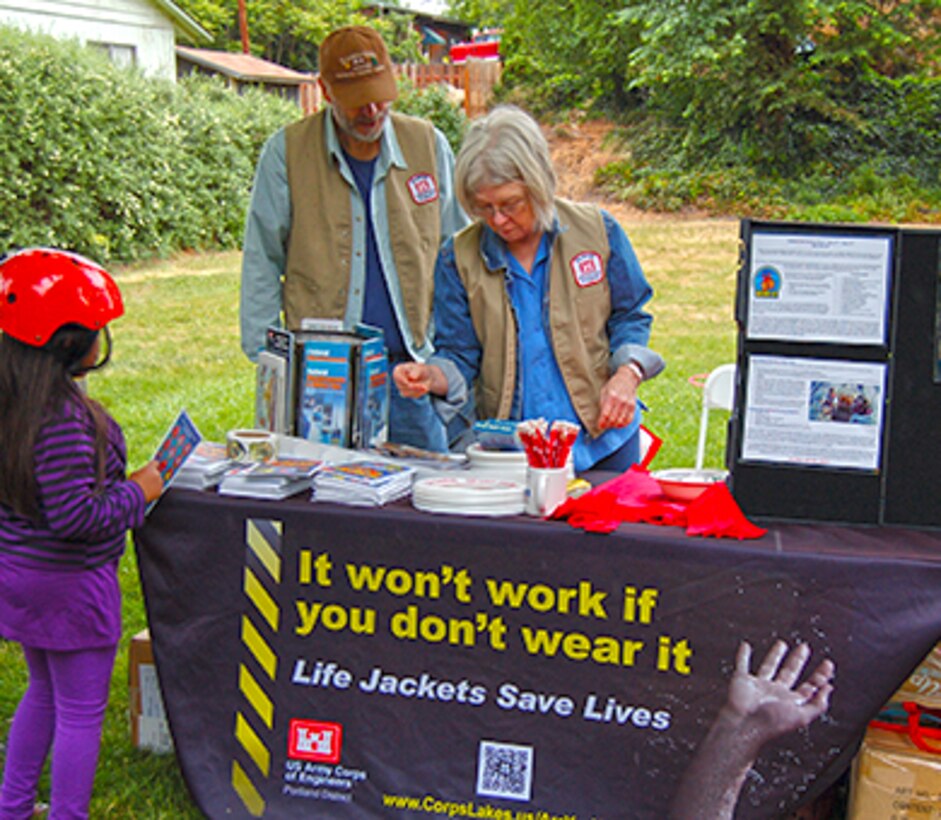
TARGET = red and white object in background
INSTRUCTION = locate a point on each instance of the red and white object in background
(547, 445)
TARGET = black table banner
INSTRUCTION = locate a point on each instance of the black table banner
(325, 661)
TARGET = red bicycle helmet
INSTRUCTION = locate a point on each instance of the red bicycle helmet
(42, 289)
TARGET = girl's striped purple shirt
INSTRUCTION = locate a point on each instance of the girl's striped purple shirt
(79, 526)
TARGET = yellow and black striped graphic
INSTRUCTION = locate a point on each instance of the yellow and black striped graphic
(261, 619)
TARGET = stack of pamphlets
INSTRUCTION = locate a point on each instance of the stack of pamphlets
(363, 483)
(278, 478)
(204, 468)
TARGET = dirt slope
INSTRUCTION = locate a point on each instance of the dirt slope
(578, 149)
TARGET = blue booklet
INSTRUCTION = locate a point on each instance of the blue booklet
(178, 444)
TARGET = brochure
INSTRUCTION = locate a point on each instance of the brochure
(271, 393)
(178, 444)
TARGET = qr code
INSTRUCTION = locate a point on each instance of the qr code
(505, 770)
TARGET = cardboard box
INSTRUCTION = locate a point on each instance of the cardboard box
(892, 779)
(924, 684)
(149, 728)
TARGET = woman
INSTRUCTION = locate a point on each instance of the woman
(538, 303)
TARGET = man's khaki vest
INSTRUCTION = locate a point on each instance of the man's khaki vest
(320, 247)
(579, 308)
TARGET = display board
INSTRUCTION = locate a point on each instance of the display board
(912, 474)
(837, 330)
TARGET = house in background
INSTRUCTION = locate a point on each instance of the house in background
(437, 30)
(139, 33)
(244, 70)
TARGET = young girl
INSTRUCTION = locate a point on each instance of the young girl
(65, 507)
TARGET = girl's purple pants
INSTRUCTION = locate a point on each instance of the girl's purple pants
(63, 709)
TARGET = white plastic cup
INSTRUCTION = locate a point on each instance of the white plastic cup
(546, 489)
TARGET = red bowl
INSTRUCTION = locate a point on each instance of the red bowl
(686, 485)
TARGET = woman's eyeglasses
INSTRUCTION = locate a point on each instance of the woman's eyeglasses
(508, 209)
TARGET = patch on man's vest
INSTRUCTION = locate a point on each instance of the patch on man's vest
(587, 268)
(423, 188)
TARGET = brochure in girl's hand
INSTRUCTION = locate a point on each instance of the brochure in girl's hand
(180, 441)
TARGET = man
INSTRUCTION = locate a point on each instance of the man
(348, 210)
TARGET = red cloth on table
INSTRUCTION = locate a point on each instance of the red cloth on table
(635, 496)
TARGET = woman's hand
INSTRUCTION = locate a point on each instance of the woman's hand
(149, 479)
(619, 399)
(414, 380)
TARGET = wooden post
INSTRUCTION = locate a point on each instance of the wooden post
(243, 27)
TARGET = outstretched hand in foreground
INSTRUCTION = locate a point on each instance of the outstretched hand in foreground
(760, 707)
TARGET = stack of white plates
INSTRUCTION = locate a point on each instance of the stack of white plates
(506, 464)
(469, 495)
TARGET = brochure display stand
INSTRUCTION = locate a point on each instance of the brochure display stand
(326, 385)
(837, 374)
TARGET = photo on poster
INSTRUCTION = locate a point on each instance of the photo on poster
(822, 412)
(818, 287)
(843, 402)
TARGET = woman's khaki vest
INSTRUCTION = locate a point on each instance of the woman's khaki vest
(579, 309)
(320, 247)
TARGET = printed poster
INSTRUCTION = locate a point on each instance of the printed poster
(806, 287)
(822, 412)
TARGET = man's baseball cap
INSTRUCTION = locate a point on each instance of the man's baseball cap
(355, 65)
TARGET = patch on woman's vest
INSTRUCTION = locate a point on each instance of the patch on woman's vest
(423, 188)
(587, 268)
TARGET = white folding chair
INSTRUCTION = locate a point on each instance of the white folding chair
(718, 393)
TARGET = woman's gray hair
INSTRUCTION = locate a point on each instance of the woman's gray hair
(504, 146)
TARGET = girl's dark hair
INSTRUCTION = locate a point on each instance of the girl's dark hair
(35, 384)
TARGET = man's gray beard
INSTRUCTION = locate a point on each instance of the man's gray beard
(347, 127)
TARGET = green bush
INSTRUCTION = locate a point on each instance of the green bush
(881, 165)
(433, 103)
(117, 166)
(121, 167)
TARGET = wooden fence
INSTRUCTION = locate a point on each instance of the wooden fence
(473, 80)
(471, 83)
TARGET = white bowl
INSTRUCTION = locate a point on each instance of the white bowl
(686, 485)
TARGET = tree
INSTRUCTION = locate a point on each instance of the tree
(559, 54)
(773, 80)
(289, 32)
(482, 13)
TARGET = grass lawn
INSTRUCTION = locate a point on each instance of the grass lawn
(178, 346)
